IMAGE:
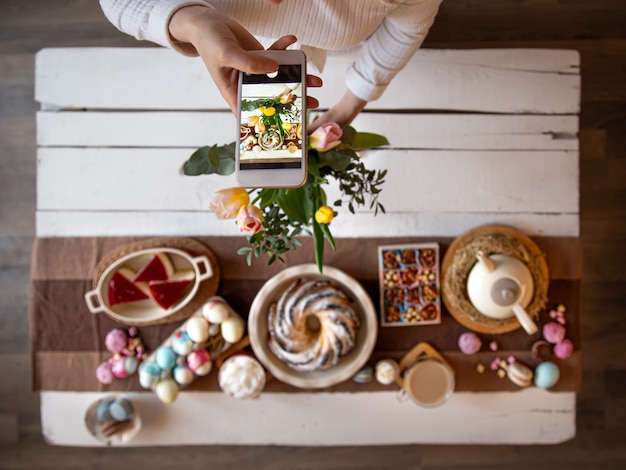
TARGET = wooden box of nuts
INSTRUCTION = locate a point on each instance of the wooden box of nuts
(409, 284)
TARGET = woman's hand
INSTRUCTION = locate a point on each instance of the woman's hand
(224, 45)
(343, 113)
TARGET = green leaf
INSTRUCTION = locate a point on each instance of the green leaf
(295, 203)
(329, 236)
(336, 159)
(347, 137)
(268, 197)
(225, 159)
(318, 243)
(368, 140)
(198, 163)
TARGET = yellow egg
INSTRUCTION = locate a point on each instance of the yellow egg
(166, 390)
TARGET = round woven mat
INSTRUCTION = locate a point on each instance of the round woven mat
(207, 288)
(461, 257)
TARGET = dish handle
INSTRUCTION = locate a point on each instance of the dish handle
(91, 298)
(203, 265)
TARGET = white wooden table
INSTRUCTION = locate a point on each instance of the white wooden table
(116, 124)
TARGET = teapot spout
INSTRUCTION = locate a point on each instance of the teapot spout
(485, 261)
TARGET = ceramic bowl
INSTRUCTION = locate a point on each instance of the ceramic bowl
(348, 365)
(145, 311)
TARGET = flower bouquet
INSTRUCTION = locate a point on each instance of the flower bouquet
(273, 218)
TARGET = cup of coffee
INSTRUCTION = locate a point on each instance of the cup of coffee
(429, 383)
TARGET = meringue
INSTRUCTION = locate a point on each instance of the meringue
(469, 343)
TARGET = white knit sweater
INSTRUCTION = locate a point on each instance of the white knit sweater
(390, 31)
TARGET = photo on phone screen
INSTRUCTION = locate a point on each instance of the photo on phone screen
(271, 121)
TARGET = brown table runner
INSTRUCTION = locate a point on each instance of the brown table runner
(68, 341)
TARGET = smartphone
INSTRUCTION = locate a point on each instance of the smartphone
(271, 130)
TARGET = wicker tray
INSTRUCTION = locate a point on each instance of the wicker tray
(461, 257)
(207, 289)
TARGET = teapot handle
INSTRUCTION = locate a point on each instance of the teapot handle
(522, 316)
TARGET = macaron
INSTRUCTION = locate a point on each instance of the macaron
(519, 374)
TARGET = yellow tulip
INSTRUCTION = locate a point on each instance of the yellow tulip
(324, 215)
(269, 111)
(227, 202)
(287, 125)
(252, 120)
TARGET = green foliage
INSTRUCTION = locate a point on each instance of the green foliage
(290, 212)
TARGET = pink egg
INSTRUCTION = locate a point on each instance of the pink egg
(199, 362)
(116, 340)
(104, 374)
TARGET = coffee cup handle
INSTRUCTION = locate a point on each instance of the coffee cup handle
(402, 395)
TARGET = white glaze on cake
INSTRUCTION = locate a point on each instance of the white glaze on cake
(294, 341)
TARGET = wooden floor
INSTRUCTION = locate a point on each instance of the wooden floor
(597, 28)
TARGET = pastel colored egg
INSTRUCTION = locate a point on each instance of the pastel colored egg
(121, 409)
(233, 328)
(197, 329)
(102, 412)
(149, 374)
(124, 366)
(365, 375)
(166, 390)
(183, 375)
(181, 343)
(547, 374)
(165, 357)
(215, 311)
(199, 362)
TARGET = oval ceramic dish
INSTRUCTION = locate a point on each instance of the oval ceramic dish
(147, 311)
(348, 365)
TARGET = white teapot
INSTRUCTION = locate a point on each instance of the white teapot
(500, 286)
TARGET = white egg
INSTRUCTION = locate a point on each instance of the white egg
(215, 311)
(183, 375)
(197, 329)
(232, 329)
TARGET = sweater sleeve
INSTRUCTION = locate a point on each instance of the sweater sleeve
(390, 47)
(148, 19)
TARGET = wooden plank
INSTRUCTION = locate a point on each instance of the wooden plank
(504, 81)
(530, 416)
(199, 223)
(439, 181)
(195, 129)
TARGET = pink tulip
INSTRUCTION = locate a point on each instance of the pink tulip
(249, 219)
(227, 202)
(326, 137)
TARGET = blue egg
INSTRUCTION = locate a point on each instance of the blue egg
(546, 374)
(365, 375)
(149, 374)
(181, 343)
(102, 412)
(121, 409)
(165, 357)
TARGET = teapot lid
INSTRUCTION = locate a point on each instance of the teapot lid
(505, 291)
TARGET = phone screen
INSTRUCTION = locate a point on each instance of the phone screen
(271, 126)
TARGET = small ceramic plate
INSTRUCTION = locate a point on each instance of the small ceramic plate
(97, 429)
(147, 311)
(348, 365)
